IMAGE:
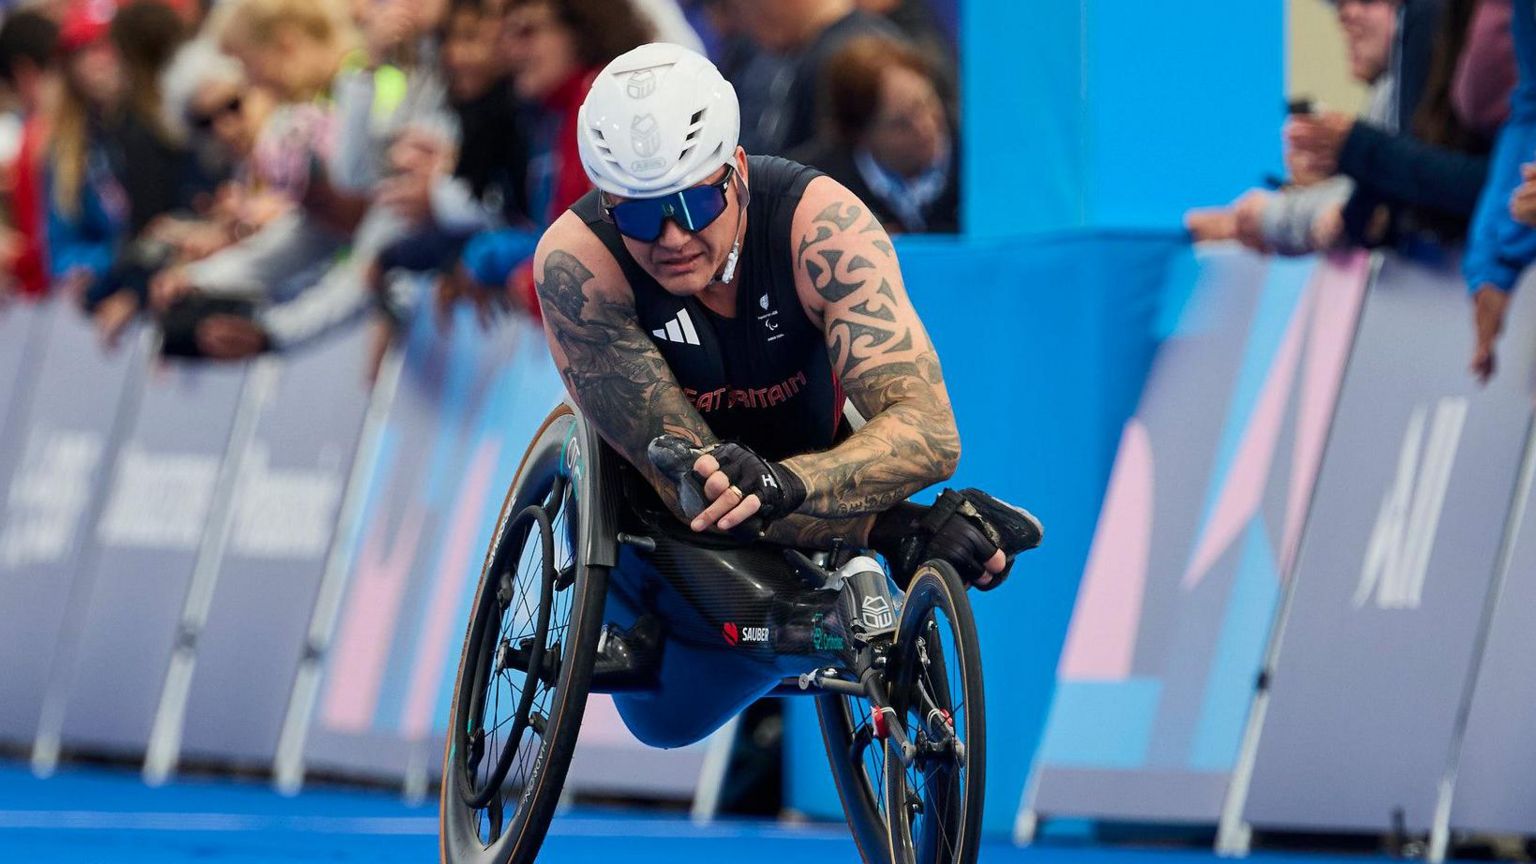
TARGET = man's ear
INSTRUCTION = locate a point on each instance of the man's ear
(743, 182)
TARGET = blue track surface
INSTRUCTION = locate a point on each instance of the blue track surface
(96, 816)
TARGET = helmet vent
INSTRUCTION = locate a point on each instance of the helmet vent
(598, 132)
(685, 154)
(698, 115)
(692, 135)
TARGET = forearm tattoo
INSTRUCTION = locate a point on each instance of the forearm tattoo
(613, 371)
(887, 366)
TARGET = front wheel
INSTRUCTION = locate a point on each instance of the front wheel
(526, 666)
(934, 799)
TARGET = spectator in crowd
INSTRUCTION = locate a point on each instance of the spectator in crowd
(159, 177)
(1502, 242)
(555, 48)
(1415, 187)
(921, 27)
(778, 86)
(1388, 46)
(210, 106)
(888, 137)
(27, 42)
(487, 186)
(305, 51)
(1485, 73)
(87, 206)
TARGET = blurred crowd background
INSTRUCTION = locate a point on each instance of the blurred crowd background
(259, 173)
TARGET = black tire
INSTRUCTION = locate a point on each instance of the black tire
(858, 771)
(564, 597)
(936, 690)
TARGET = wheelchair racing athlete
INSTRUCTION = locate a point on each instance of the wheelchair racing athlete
(712, 311)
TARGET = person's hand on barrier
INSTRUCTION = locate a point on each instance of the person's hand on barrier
(1489, 305)
(1314, 141)
(168, 286)
(112, 317)
(459, 285)
(1328, 228)
(230, 337)
(1248, 216)
(1211, 225)
(1522, 203)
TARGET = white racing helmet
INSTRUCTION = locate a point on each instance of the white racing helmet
(658, 119)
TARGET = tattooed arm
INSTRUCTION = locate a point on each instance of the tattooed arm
(849, 280)
(609, 365)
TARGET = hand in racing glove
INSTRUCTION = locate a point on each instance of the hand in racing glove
(727, 486)
(976, 533)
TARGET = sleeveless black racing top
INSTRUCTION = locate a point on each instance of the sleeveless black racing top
(762, 378)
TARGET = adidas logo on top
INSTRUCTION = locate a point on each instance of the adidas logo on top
(679, 329)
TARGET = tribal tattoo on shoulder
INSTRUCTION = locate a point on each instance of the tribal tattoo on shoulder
(610, 366)
(887, 366)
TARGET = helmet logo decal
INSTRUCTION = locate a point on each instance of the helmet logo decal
(646, 133)
(641, 84)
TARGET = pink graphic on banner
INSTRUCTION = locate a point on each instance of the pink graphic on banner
(1337, 290)
(1102, 641)
(357, 665)
(1243, 492)
(451, 578)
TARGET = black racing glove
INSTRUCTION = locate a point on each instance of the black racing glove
(779, 489)
(964, 528)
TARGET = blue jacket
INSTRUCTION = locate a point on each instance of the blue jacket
(1499, 248)
(90, 238)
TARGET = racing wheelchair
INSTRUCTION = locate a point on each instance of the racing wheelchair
(590, 586)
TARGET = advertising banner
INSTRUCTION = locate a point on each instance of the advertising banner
(1388, 597)
(53, 467)
(1201, 520)
(165, 483)
(288, 491)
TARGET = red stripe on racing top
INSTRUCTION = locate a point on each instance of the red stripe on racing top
(838, 400)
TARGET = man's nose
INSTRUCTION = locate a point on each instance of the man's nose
(672, 234)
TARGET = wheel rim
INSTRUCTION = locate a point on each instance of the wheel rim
(507, 709)
(931, 702)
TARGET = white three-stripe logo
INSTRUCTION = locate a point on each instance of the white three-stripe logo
(1397, 559)
(679, 329)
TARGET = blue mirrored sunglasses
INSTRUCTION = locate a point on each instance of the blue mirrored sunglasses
(693, 209)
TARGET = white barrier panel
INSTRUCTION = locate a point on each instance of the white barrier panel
(52, 470)
(1495, 786)
(166, 484)
(290, 479)
(1381, 626)
(22, 326)
(1199, 525)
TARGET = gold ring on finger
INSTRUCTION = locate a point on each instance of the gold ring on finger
(740, 495)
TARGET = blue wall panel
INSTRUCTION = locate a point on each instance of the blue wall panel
(1045, 345)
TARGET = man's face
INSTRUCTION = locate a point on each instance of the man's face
(685, 262)
(470, 58)
(1370, 26)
